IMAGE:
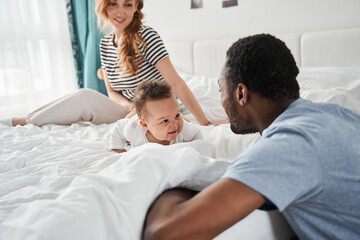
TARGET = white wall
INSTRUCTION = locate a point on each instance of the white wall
(174, 20)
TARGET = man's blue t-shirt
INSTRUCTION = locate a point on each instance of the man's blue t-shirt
(307, 163)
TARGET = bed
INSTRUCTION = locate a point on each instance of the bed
(62, 182)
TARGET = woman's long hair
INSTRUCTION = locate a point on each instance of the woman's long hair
(130, 41)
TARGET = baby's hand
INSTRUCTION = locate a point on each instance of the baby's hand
(118, 150)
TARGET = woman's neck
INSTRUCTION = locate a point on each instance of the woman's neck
(117, 36)
(151, 138)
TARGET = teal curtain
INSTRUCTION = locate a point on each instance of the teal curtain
(85, 38)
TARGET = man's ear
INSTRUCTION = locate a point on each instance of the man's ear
(242, 94)
(143, 123)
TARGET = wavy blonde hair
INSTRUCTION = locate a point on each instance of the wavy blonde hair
(129, 42)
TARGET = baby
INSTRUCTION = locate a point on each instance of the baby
(160, 120)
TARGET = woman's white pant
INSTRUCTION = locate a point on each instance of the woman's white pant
(82, 105)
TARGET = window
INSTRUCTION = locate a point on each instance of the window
(36, 62)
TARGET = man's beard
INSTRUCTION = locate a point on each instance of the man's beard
(237, 128)
(238, 124)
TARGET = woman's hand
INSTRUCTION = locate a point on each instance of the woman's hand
(220, 122)
(130, 106)
(207, 124)
(217, 123)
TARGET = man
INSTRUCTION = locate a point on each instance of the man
(306, 164)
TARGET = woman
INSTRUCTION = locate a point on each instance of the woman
(130, 54)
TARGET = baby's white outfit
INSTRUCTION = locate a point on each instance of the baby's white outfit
(127, 133)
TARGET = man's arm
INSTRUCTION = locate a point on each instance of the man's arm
(175, 215)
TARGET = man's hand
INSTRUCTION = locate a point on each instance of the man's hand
(178, 215)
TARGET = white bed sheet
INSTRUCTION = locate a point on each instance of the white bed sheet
(59, 182)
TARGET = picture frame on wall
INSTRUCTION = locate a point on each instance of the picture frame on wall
(196, 4)
(229, 3)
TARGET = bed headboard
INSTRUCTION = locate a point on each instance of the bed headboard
(334, 48)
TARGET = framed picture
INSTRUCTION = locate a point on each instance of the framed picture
(229, 3)
(196, 4)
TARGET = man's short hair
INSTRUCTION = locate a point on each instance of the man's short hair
(265, 65)
(150, 91)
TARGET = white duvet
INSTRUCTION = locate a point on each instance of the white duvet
(61, 182)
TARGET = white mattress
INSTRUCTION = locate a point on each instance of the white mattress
(61, 182)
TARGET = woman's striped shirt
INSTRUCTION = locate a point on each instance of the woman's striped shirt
(152, 53)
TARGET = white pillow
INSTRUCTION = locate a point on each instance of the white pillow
(206, 91)
(330, 84)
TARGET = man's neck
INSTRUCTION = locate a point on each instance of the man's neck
(268, 112)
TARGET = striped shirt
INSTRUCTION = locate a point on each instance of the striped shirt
(152, 53)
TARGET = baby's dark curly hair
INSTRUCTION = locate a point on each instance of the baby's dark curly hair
(151, 90)
(265, 65)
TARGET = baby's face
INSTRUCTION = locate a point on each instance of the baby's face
(163, 119)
